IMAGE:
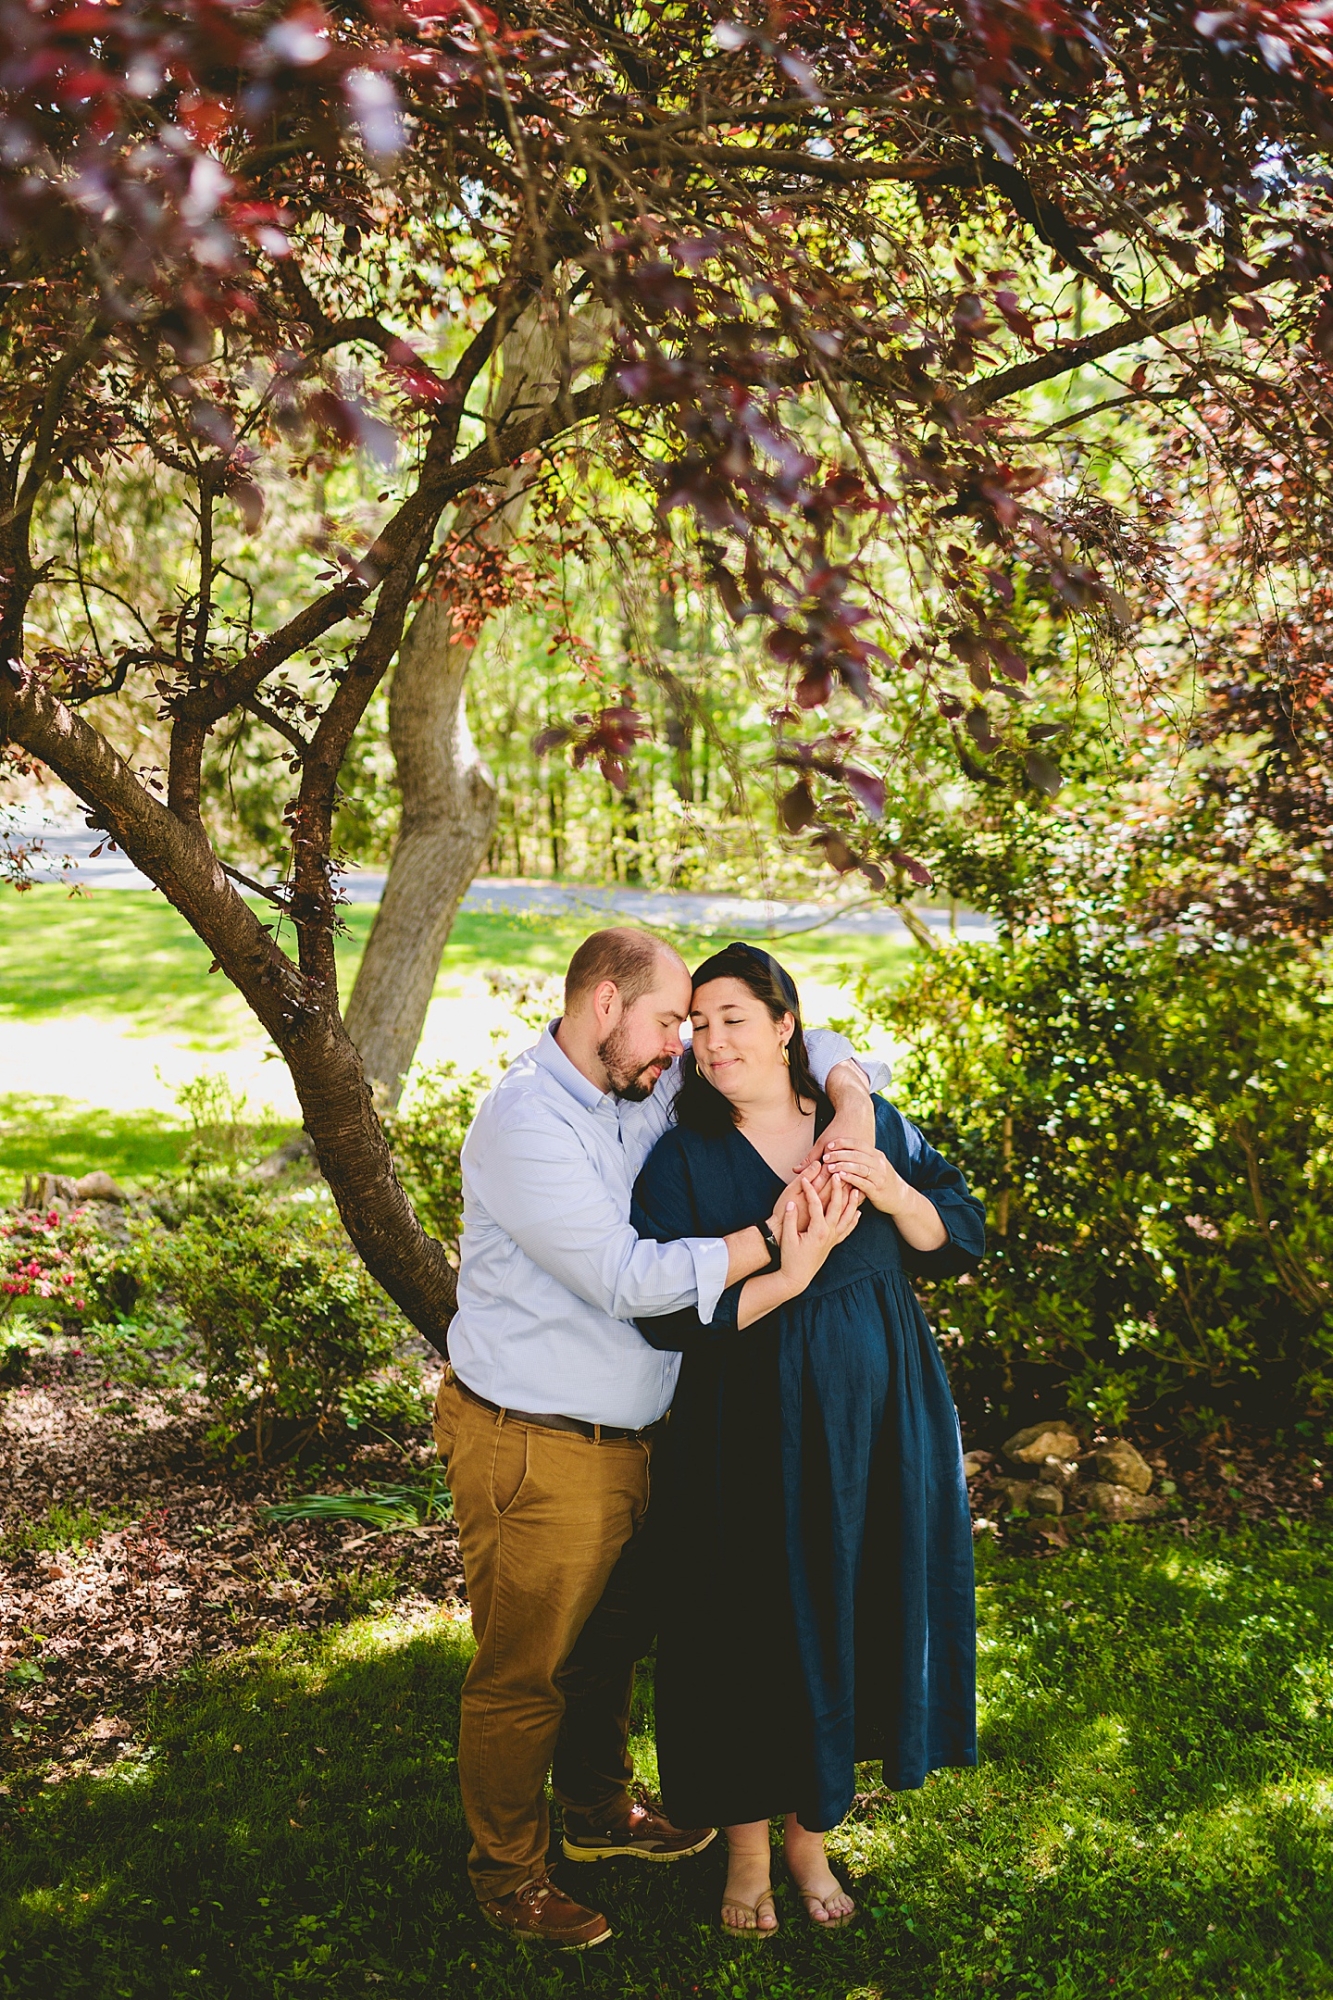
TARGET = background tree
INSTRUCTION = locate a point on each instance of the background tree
(244, 245)
(448, 796)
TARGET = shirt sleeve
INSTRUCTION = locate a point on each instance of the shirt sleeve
(663, 1210)
(826, 1050)
(963, 1216)
(537, 1182)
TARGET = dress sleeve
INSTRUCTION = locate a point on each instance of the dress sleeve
(963, 1216)
(663, 1211)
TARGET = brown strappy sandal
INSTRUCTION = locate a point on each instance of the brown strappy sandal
(808, 1897)
(752, 1910)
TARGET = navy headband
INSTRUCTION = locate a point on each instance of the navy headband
(735, 960)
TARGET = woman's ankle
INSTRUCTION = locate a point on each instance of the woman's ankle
(749, 1844)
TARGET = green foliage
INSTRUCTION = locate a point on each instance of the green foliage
(61, 1527)
(427, 1136)
(413, 1506)
(1151, 1125)
(18, 1337)
(1152, 1808)
(221, 1136)
(158, 1348)
(294, 1329)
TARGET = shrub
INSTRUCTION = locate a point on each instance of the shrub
(221, 1136)
(295, 1331)
(43, 1260)
(1151, 1126)
(427, 1135)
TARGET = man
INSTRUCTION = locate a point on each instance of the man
(547, 1413)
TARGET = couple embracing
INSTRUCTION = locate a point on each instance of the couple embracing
(690, 1271)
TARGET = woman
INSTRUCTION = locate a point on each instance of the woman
(816, 1550)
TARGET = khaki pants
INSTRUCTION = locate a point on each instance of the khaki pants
(543, 1517)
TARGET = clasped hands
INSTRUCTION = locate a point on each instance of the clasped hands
(862, 1171)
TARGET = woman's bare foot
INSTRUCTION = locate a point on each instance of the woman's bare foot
(747, 1901)
(826, 1901)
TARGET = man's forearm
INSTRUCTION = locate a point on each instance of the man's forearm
(848, 1088)
(747, 1254)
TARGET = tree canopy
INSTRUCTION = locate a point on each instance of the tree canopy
(856, 277)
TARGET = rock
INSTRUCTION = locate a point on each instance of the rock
(1040, 1441)
(274, 1165)
(1061, 1472)
(98, 1186)
(974, 1464)
(1015, 1494)
(1122, 1503)
(1044, 1499)
(41, 1190)
(1121, 1465)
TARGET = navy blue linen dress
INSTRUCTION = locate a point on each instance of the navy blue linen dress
(814, 1550)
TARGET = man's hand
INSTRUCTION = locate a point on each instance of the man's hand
(853, 1125)
(797, 1191)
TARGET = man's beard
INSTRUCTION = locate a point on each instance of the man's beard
(631, 1084)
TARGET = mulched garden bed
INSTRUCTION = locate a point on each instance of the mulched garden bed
(186, 1567)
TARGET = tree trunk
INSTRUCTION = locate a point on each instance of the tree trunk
(449, 806)
(299, 1013)
(449, 797)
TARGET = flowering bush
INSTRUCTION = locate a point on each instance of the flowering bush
(44, 1257)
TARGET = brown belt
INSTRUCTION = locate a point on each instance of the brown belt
(595, 1433)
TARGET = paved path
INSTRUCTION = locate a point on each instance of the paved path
(111, 1063)
(67, 855)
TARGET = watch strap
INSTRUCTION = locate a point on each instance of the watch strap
(771, 1244)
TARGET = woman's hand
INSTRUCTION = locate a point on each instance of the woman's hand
(807, 1230)
(871, 1174)
(915, 1217)
(806, 1249)
(798, 1191)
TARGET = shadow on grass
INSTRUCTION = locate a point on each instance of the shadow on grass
(59, 1135)
(1151, 1818)
(126, 953)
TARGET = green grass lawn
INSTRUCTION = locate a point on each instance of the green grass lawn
(127, 953)
(1151, 1818)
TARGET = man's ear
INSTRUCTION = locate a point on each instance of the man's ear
(606, 1002)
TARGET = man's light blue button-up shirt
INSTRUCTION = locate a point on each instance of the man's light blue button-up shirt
(552, 1274)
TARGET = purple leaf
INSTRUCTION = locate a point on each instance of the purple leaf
(916, 871)
(1043, 775)
(867, 790)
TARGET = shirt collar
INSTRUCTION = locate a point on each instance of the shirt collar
(552, 1057)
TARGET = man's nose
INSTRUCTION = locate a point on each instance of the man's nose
(674, 1046)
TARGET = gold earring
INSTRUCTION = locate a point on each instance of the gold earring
(786, 1057)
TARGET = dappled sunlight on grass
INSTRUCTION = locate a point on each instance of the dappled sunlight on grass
(1151, 1818)
(127, 953)
(59, 1135)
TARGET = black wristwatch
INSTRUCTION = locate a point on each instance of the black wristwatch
(771, 1244)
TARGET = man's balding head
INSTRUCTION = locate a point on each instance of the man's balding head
(631, 959)
(626, 997)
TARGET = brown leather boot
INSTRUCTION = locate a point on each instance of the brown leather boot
(638, 1831)
(541, 1911)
